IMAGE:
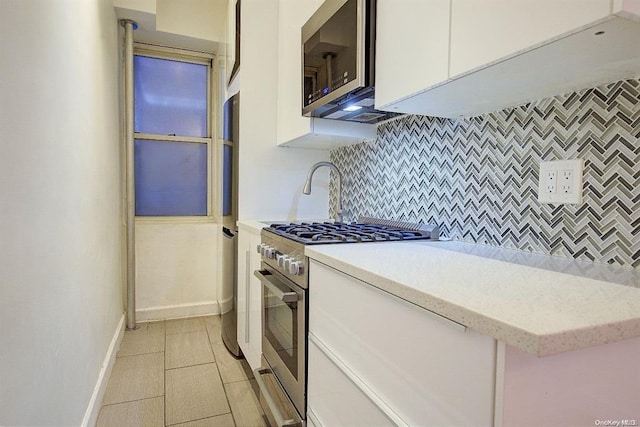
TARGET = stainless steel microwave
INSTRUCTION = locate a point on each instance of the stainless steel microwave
(338, 62)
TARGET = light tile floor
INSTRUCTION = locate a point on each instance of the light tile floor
(179, 373)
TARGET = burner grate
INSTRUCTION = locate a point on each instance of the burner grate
(367, 230)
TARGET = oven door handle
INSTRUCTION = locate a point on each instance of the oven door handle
(287, 297)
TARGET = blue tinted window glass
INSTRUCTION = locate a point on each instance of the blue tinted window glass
(171, 178)
(170, 97)
(227, 179)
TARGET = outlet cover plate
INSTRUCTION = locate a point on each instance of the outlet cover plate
(559, 196)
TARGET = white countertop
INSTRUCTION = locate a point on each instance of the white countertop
(252, 226)
(541, 304)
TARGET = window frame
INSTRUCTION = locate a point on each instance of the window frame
(214, 214)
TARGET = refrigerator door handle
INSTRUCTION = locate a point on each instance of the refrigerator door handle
(228, 233)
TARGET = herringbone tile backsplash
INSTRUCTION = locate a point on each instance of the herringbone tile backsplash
(477, 178)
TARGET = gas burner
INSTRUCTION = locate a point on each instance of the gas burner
(366, 230)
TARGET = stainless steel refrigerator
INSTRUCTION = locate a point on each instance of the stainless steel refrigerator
(229, 198)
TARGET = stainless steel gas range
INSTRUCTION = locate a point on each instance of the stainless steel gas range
(285, 283)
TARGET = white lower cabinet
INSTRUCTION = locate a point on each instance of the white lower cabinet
(375, 359)
(249, 297)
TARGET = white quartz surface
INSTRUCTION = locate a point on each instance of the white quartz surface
(541, 304)
(253, 226)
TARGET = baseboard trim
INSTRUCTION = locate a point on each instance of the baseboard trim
(226, 305)
(177, 311)
(93, 410)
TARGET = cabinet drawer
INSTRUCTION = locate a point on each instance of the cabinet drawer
(429, 370)
(334, 400)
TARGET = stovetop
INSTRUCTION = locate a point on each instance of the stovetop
(365, 230)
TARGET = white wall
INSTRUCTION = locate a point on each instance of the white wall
(176, 270)
(201, 19)
(271, 177)
(60, 290)
(189, 24)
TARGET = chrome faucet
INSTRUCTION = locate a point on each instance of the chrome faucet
(307, 184)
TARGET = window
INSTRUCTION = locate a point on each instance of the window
(172, 123)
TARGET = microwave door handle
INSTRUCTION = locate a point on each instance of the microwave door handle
(286, 297)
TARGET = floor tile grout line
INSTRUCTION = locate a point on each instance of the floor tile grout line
(239, 381)
(203, 418)
(133, 400)
(209, 347)
(184, 332)
(210, 343)
(190, 332)
(141, 354)
(187, 318)
(219, 373)
(226, 395)
(190, 366)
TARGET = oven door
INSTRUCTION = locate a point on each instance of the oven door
(284, 329)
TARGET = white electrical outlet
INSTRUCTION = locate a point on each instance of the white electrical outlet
(560, 181)
(552, 182)
(566, 182)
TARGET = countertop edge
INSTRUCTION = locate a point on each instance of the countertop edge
(534, 344)
(251, 225)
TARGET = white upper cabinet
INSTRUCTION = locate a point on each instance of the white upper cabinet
(484, 31)
(412, 47)
(293, 129)
(499, 53)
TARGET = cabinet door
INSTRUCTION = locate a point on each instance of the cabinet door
(249, 298)
(254, 288)
(292, 14)
(426, 369)
(483, 31)
(244, 253)
(412, 47)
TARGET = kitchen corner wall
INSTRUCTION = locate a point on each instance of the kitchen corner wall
(60, 275)
(477, 178)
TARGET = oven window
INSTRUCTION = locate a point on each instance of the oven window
(281, 328)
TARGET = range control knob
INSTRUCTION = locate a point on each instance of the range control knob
(270, 252)
(259, 248)
(295, 268)
(267, 251)
(282, 259)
